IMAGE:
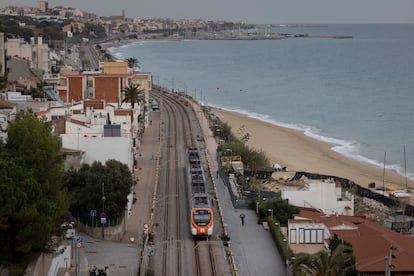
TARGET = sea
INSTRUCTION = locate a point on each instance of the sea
(356, 94)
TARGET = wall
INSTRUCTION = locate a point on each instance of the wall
(116, 67)
(113, 233)
(74, 89)
(118, 148)
(108, 88)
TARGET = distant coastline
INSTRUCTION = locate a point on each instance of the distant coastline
(218, 36)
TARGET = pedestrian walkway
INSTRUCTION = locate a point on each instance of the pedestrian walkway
(254, 250)
(140, 211)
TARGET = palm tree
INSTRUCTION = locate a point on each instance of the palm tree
(340, 262)
(141, 120)
(141, 124)
(134, 94)
(132, 62)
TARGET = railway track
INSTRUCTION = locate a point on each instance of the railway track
(204, 259)
(171, 253)
(181, 131)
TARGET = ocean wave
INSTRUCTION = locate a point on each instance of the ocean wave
(347, 148)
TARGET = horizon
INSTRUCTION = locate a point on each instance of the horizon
(298, 12)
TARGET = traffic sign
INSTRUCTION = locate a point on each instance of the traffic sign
(93, 213)
(78, 244)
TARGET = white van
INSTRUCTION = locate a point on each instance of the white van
(70, 230)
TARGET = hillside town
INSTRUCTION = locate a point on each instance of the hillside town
(59, 67)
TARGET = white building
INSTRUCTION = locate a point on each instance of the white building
(306, 231)
(17, 47)
(40, 55)
(324, 195)
(36, 52)
(101, 135)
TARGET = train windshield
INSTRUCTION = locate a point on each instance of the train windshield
(201, 217)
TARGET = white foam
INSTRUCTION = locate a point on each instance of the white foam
(349, 149)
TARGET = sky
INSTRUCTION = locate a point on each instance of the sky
(248, 11)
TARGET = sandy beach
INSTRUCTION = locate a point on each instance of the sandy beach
(298, 152)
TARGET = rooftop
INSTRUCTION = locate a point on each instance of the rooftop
(371, 242)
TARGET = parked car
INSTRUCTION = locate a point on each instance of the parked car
(69, 230)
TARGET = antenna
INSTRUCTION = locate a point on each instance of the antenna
(405, 170)
(383, 174)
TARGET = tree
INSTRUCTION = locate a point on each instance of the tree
(341, 262)
(33, 197)
(282, 211)
(32, 139)
(132, 62)
(10, 25)
(133, 94)
(37, 92)
(86, 185)
(3, 78)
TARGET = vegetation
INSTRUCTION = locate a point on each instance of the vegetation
(33, 196)
(37, 92)
(253, 159)
(93, 30)
(90, 181)
(52, 33)
(339, 262)
(132, 62)
(278, 208)
(133, 94)
(230, 144)
(3, 78)
(10, 26)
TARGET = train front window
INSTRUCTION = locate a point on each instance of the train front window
(201, 217)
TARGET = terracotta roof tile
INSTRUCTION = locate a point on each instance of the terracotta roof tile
(371, 242)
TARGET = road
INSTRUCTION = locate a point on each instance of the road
(90, 56)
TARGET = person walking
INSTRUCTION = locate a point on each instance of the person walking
(242, 216)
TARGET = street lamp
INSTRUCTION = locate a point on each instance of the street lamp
(271, 211)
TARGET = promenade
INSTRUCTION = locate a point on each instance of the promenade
(253, 248)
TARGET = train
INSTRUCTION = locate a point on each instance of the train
(201, 213)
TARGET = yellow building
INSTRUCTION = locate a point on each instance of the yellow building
(43, 6)
(115, 67)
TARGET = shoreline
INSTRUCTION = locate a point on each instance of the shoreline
(275, 36)
(298, 152)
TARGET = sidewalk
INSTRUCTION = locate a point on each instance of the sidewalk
(254, 250)
(140, 211)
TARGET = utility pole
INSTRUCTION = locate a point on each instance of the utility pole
(103, 215)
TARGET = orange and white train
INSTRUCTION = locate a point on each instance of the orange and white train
(201, 215)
